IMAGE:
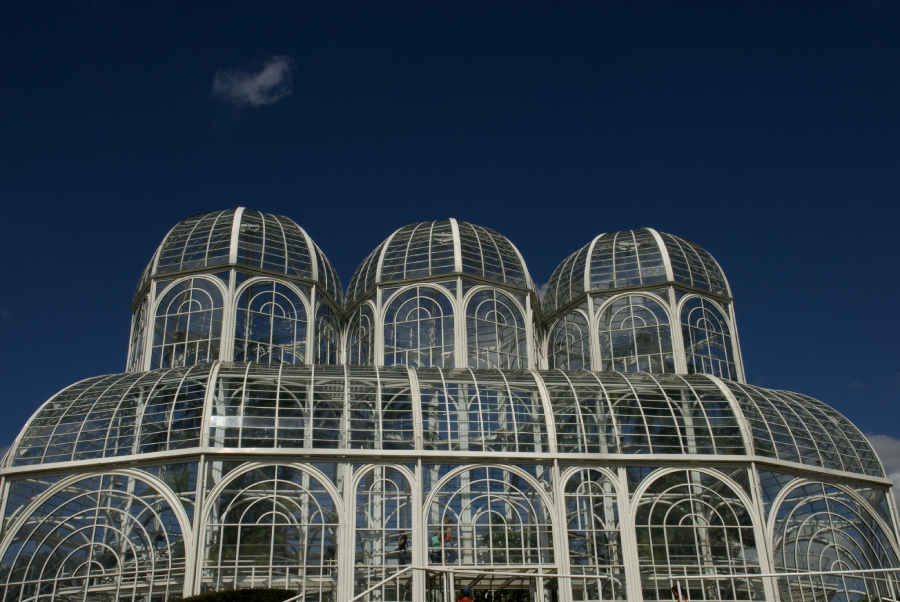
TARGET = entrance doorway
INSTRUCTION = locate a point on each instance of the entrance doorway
(516, 585)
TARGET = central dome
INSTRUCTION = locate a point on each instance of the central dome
(445, 246)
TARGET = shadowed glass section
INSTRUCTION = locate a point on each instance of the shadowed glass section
(188, 325)
(418, 329)
(569, 347)
(200, 241)
(707, 339)
(361, 336)
(112, 537)
(270, 324)
(495, 332)
(635, 336)
(819, 527)
(693, 265)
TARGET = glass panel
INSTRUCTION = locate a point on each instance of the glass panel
(418, 329)
(495, 332)
(635, 336)
(270, 325)
(570, 347)
(707, 340)
(188, 325)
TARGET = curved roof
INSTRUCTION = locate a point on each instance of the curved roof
(242, 237)
(445, 246)
(280, 406)
(633, 258)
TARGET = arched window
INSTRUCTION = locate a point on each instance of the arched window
(384, 537)
(818, 527)
(707, 340)
(418, 329)
(273, 526)
(635, 336)
(570, 346)
(489, 516)
(270, 325)
(595, 542)
(136, 353)
(327, 336)
(691, 526)
(361, 337)
(111, 537)
(188, 325)
(495, 332)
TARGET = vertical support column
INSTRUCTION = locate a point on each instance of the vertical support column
(419, 538)
(629, 539)
(312, 328)
(461, 360)
(678, 348)
(378, 355)
(736, 345)
(561, 535)
(346, 535)
(766, 558)
(229, 319)
(193, 571)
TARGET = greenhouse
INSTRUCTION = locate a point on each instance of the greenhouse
(439, 427)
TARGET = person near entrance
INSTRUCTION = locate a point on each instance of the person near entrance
(449, 552)
(678, 597)
(466, 595)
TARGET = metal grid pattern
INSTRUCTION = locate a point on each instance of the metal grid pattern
(112, 537)
(796, 428)
(368, 407)
(419, 250)
(689, 523)
(488, 516)
(383, 533)
(328, 336)
(707, 340)
(467, 411)
(593, 527)
(819, 527)
(138, 332)
(635, 336)
(418, 329)
(569, 343)
(188, 325)
(361, 336)
(200, 241)
(641, 414)
(632, 258)
(270, 324)
(495, 332)
(273, 526)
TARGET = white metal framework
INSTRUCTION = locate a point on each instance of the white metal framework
(438, 430)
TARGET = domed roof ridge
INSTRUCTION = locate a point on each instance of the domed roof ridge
(633, 258)
(446, 246)
(242, 236)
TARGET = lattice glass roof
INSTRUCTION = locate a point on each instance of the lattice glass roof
(465, 410)
(260, 240)
(633, 258)
(440, 247)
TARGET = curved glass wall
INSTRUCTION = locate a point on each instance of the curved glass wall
(819, 527)
(635, 336)
(495, 331)
(102, 537)
(707, 339)
(361, 336)
(273, 526)
(692, 526)
(569, 343)
(328, 336)
(270, 324)
(188, 327)
(418, 328)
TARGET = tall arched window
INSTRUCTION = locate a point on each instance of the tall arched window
(595, 542)
(691, 527)
(361, 337)
(418, 329)
(136, 353)
(495, 332)
(489, 516)
(707, 340)
(570, 345)
(270, 325)
(328, 348)
(635, 336)
(188, 325)
(384, 539)
(111, 537)
(818, 527)
(273, 526)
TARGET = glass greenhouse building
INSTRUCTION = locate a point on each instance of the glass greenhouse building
(438, 426)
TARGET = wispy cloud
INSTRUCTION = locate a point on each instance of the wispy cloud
(888, 449)
(256, 84)
(541, 289)
(855, 386)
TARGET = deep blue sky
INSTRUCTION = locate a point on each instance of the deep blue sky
(768, 133)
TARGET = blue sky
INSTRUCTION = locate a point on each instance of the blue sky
(767, 132)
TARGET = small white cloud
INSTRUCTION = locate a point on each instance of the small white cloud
(541, 289)
(855, 386)
(888, 449)
(5, 314)
(257, 84)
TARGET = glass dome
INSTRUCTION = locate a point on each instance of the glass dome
(242, 237)
(633, 258)
(441, 247)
